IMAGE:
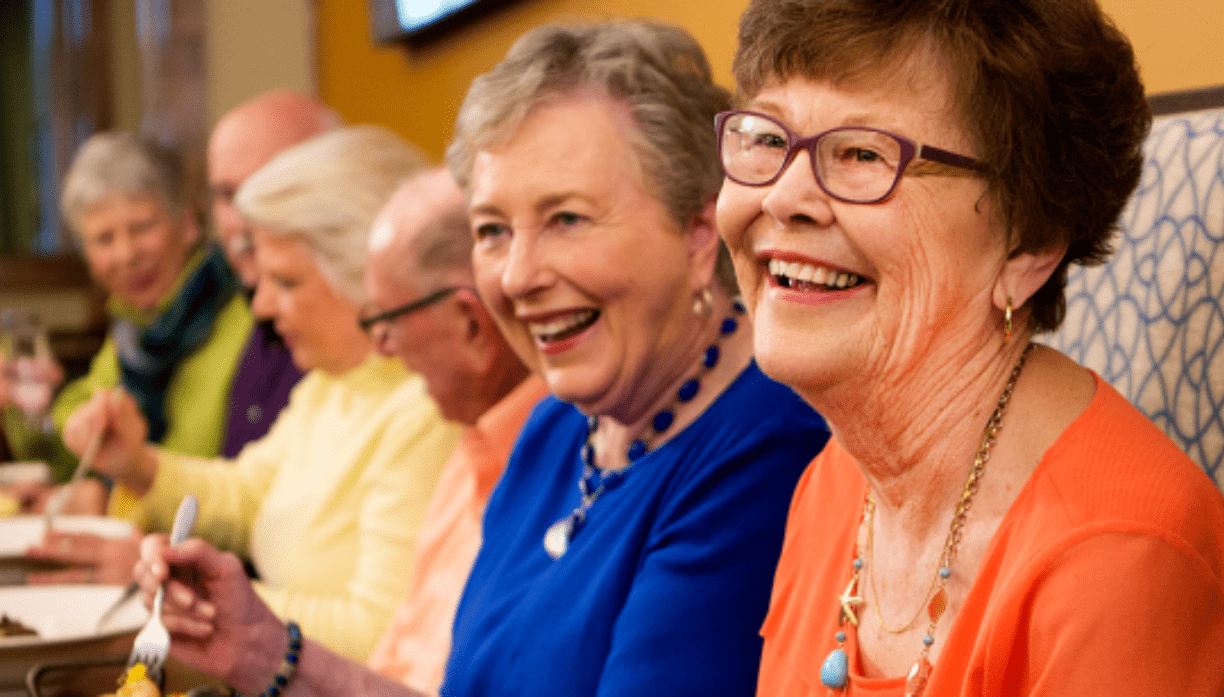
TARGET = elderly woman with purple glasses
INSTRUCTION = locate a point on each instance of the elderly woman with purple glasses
(906, 185)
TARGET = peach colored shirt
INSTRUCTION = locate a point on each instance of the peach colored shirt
(414, 649)
(1104, 577)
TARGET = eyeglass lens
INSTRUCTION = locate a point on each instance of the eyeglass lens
(855, 164)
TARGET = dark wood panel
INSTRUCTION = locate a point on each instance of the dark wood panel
(1187, 100)
(31, 272)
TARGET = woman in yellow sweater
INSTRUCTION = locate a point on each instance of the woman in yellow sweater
(328, 503)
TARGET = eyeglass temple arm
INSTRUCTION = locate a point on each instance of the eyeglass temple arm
(928, 152)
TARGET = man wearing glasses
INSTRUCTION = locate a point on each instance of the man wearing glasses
(425, 311)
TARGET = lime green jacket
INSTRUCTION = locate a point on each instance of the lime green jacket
(197, 400)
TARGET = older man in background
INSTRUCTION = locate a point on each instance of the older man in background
(246, 138)
(425, 311)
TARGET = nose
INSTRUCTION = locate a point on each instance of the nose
(263, 304)
(796, 197)
(124, 249)
(526, 267)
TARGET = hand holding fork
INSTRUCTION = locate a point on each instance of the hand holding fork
(152, 645)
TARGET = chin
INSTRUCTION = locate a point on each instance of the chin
(302, 361)
(795, 359)
(570, 388)
(142, 303)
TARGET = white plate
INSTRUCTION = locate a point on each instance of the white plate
(65, 618)
(27, 471)
(19, 533)
(65, 614)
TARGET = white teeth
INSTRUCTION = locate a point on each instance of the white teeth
(811, 273)
(561, 324)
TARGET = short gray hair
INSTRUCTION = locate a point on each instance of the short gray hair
(121, 163)
(658, 70)
(328, 190)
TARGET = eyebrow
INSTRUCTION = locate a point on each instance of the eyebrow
(862, 118)
(554, 200)
(544, 204)
(485, 209)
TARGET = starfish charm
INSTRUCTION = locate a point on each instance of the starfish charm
(849, 601)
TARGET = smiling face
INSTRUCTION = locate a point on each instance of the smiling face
(587, 274)
(841, 291)
(318, 324)
(134, 249)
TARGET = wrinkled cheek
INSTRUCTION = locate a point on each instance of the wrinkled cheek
(488, 275)
(734, 214)
(519, 339)
(737, 206)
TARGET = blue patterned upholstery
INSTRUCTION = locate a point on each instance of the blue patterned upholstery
(1150, 321)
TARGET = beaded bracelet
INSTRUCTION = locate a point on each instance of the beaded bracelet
(289, 664)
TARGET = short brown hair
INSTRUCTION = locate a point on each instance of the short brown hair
(1047, 89)
(658, 70)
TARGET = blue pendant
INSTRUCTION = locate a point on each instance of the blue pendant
(835, 670)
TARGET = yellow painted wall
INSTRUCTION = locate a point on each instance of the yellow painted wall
(418, 93)
(1177, 41)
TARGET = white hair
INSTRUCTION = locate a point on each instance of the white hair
(121, 163)
(328, 191)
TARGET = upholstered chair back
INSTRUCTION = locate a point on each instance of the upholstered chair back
(1150, 321)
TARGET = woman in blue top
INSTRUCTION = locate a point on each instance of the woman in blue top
(630, 545)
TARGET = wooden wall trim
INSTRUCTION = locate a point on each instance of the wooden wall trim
(32, 272)
(1187, 100)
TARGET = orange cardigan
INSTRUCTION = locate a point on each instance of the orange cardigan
(1104, 577)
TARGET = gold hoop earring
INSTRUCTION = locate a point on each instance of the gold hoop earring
(1007, 320)
(703, 303)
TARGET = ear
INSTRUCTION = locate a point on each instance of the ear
(704, 243)
(477, 331)
(1023, 274)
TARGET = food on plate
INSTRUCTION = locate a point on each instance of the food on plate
(11, 627)
(136, 683)
(9, 505)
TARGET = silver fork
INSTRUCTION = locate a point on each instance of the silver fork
(153, 642)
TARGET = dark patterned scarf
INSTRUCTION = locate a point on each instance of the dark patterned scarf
(149, 358)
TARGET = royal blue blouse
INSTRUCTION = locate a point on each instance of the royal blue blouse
(664, 588)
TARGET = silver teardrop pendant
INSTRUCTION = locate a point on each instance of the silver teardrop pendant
(557, 538)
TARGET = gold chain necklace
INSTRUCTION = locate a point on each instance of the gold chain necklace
(834, 672)
(868, 519)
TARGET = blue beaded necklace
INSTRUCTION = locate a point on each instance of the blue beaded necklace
(595, 481)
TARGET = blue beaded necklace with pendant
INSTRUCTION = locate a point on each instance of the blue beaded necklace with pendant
(595, 481)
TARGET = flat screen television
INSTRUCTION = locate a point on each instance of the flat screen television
(421, 21)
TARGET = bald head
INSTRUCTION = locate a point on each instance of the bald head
(422, 235)
(244, 140)
(420, 244)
